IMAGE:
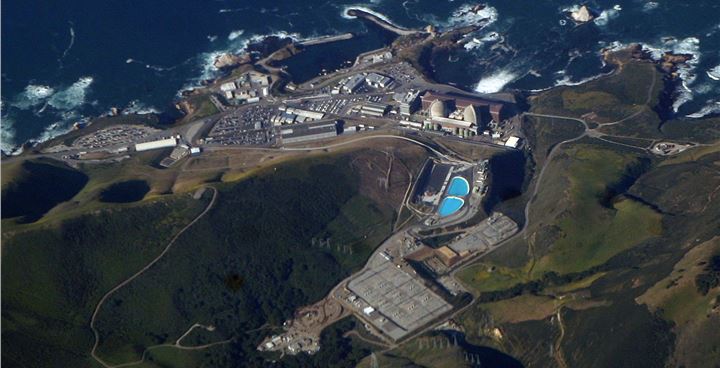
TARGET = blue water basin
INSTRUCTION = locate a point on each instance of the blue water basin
(459, 187)
(450, 205)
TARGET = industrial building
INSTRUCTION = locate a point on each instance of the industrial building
(161, 143)
(308, 132)
(375, 109)
(376, 80)
(460, 115)
(411, 124)
(353, 83)
(291, 115)
(408, 102)
(512, 142)
(249, 87)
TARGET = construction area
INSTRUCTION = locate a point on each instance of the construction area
(302, 334)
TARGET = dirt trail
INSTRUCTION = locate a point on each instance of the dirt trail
(119, 286)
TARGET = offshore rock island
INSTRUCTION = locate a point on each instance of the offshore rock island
(358, 213)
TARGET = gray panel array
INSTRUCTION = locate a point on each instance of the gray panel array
(398, 298)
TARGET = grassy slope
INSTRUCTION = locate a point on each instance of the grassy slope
(591, 232)
(53, 275)
(579, 231)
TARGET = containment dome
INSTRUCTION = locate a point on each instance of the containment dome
(470, 115)
(437, 109)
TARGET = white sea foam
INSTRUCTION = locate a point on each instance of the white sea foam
(212, 38)
(73, 96)
(235, 34)
(570, 9)
(714, 73)
(7, 135)
(465, 16)
(137, 107)
(33, 95)
(607, 15)
(566, 81)
(650, 5)
(713, 107)
(476, 43)
(233, 10)
(345, 14)
(57, 129)
(495, 82)
(686, 71)
(70, 45)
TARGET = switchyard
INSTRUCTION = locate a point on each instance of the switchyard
(394, 301)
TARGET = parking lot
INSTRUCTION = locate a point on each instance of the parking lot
(115, 135)
(250, 126)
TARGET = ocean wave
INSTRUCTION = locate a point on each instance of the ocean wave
(137, 107)
(231, 10)
(565, 80)
(476, 43)
(714, 73)
(32, 95)
(607, 15)
(465, 16)
(71, 97)
(7, 136)
(157, 68)
(70, 45)
(650, 5)
(713, 107)
(235, 34)
(345, 14)
(495, 82)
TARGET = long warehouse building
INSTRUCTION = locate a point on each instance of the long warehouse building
(308, 132)
(162, 143)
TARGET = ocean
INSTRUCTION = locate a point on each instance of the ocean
(63, 62)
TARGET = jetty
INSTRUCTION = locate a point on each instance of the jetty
(401, 31)
(326, 39)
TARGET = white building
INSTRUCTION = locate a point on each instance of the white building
(376, 80)
(162, 143)
(513, 142)
(229, 86)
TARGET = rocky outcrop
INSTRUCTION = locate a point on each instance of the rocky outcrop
(582, 15)
(231, 60)
(670, 62)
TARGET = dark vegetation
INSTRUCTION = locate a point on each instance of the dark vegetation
(38, 188)
(53, 276)
(710, 277)
(271, 244)
(125, 191)
(507, 178)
